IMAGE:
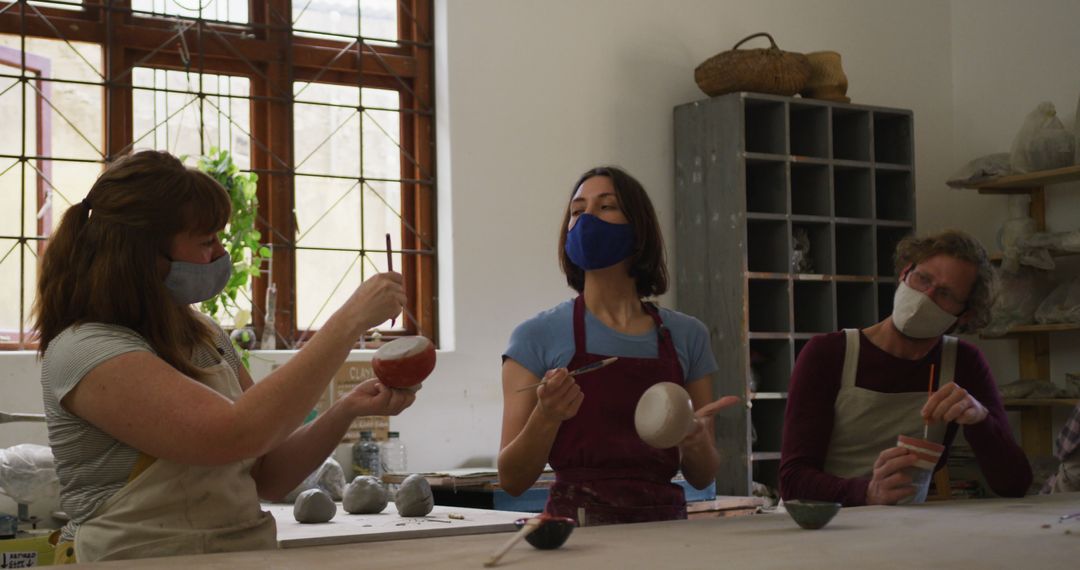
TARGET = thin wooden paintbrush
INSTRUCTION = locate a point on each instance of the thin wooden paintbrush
(584, 369)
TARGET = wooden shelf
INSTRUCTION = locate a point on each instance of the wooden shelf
(767, 275)
(811, 277)
(842, 174)
(769, 335)
(1033, 340)
(997, 256)
(1036, 329)
(768, 395)
(1040, 402)
(1019, 183)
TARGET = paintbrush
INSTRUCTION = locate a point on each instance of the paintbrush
(529, 526)
(584, 369)
(390, 268)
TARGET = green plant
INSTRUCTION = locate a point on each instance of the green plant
(240, 237)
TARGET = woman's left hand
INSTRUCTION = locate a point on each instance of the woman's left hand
(954, 404)
(373, 398)
(702, 434)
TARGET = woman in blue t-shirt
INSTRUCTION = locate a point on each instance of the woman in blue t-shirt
(612, 254)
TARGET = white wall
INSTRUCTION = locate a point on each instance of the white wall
(532, 93)
(536, 92)
(1007, 58)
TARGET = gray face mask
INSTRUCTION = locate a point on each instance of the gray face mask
(196, 282)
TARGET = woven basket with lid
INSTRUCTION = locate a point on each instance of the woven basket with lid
(767, 70)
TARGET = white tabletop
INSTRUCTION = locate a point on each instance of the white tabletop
(388, 525)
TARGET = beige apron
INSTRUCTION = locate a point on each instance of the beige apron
(867, 422)
(173, 509)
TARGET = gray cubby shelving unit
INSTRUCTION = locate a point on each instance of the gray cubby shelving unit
(749, 170)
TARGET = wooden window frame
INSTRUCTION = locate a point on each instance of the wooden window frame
(267, 52)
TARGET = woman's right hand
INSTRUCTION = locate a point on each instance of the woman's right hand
(559, 398)
(376, 300)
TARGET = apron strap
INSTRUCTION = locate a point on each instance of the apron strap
(948, 360)
(665, 347)
(851, 358)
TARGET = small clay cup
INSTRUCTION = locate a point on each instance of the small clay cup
(811, 514)
(552, 532)
(928, 454)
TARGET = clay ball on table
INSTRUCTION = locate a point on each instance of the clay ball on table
(366, 495)
(414, 498)
(314, 506)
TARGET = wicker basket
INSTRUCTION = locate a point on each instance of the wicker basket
(769, 70)
(827, 78)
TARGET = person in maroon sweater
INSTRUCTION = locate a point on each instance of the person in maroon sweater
(841, 422)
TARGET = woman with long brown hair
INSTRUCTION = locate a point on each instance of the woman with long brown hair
(163, 443)
(612, 253)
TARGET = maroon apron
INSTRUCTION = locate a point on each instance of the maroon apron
(600, 463)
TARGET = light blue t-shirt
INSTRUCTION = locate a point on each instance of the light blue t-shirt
(546, 341)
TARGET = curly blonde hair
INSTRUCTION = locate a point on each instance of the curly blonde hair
(913, 250)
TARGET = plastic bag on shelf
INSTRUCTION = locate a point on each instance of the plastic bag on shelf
(329, 477)
(1042, 143)
(981, 169)
(1016, 390)
(1019, 295)
(1062, 305)
(28, 473)
(1035, 250)
(1056, 241)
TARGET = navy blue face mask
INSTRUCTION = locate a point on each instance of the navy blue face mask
(595, 244)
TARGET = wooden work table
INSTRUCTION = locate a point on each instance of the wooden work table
(963, 534)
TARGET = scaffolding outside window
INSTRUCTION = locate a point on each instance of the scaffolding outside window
(329, 102)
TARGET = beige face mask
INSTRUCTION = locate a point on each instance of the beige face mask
(917, 316)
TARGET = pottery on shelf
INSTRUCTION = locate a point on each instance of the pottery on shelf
(827, 79)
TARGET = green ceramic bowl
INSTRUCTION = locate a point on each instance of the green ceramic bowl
(812, 514)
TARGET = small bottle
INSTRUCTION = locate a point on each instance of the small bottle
(393, 454)
(269, 338)
(365, 455)
(393, 459)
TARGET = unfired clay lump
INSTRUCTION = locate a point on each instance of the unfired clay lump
(314, 506)
(414, 498)
(365, 496)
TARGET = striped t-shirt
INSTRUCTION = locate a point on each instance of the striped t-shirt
(91, 464)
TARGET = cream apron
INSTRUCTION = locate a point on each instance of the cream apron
(173, 509)
(867, 422)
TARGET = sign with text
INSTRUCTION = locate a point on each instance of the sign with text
(349, 376)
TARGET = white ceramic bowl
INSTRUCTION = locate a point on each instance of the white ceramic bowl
(664, 415)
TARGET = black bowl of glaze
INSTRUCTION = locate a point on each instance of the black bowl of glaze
(811, 514)
(552, 532)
